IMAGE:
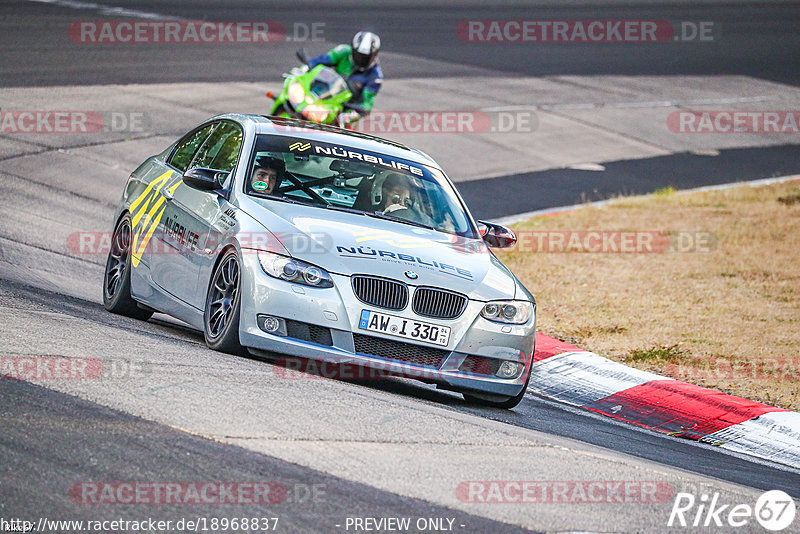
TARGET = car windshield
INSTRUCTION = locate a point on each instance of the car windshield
(327, 83)
(349, 179)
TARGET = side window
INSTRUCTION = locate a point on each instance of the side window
(188, 146)
(221, 150)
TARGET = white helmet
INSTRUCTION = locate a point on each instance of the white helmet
(365, 50)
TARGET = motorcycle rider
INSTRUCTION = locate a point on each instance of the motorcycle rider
(358, 62)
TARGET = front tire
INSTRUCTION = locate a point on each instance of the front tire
(117, 278)
(223, 306)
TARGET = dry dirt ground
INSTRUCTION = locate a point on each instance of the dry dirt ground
(700, 286)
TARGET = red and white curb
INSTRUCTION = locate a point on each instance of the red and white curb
(574, 376)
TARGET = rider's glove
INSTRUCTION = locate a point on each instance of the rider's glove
(349, 117)
(299, 71)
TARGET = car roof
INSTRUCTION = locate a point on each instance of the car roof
(329, 134)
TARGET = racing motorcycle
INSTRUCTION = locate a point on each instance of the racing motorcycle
(319, 94)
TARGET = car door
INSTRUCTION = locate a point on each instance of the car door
(178, 235)
(190, 214)
(148, 207)
(222, 153)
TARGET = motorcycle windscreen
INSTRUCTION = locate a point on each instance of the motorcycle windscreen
(327, 83)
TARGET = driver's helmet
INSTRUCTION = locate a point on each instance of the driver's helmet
(365, 48)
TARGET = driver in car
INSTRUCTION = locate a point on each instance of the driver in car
(267, 174)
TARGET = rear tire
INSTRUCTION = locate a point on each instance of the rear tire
(117, 278)
(223, 305)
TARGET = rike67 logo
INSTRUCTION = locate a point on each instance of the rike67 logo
(774, 510)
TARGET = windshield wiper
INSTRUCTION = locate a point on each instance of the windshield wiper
(376, 214)
(345, 209)
(380, 215)
(282, 199)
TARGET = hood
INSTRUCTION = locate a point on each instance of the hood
(348, 243)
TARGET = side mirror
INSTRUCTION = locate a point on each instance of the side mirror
(497, 235)
(301, 55)
(204, 179)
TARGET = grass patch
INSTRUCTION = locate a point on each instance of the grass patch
(790, 199)
(739, 298)
(665, 191)
(669, 354)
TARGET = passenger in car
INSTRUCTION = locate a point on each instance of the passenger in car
(396, 193)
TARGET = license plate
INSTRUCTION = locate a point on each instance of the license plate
(405, 328)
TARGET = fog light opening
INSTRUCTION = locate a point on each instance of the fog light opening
(272, 325)
(509, 370)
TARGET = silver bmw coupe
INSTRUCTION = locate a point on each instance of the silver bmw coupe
(280, 236)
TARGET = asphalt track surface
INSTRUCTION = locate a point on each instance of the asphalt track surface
(565, 187)
(51, 439)
(758, 39)
(122, 447)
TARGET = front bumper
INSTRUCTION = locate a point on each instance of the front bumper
(338, 310)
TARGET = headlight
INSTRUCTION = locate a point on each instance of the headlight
(508, 311)
(296, 93)
(315, 113)
(293, 270)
